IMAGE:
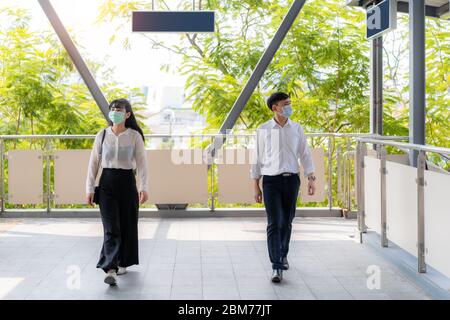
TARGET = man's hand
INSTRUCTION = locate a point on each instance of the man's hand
(311, 187)
(143, 196)
(258, 193)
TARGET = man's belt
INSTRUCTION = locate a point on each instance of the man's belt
(288, 174)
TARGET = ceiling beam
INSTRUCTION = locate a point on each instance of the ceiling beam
(76, 57)
(256, 76)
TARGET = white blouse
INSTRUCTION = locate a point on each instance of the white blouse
(123, 151)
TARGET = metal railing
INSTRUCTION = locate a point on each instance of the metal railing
(361, 151)
(349, 141)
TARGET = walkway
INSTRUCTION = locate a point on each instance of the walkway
(193, 258)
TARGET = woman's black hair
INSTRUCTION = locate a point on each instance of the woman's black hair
(130, 122)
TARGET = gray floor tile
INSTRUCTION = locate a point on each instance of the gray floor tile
(216, 258)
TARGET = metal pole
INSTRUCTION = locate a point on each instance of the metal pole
(358, 184)
(376, 86)
(345, 177)
(212, 209)
(360, 153)
(257, 73)
(330, 173)
(339, 173)
(363, 191)
(373, 91)
(383, 172)
(379, 85)
(417, 75)
(349, 173)
(421, 159)
(74, 54)
(2, 184)
(48, 189)
(402, 145)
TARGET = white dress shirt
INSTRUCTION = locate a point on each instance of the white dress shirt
(123, 151)
(279, 149)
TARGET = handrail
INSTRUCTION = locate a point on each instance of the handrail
(328, 136)
(420, 181)
(206, 135)
(410, 146)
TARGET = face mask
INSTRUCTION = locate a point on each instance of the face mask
(116, 116)
(287, 111)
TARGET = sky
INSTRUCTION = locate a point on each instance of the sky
(135, 68)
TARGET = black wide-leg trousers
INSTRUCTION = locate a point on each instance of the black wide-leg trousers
(280, 199)
(119, 209)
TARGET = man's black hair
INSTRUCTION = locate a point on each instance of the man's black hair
(275, 98)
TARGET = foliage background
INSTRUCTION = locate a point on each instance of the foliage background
(323, 64)
(40, 90)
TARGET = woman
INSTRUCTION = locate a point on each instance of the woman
(122, 151)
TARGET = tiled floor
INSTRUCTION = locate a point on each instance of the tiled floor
(194, 258)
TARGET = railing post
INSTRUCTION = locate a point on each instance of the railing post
(349, 198)
(2, 182)
(363, 190)
(48, 188)
(382, 154)
(330, 173)
(360, 153)
(421, 158)
(339, 173)
(212, 209)
(358, 188)
(344, 178)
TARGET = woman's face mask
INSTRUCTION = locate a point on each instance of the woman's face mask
(116, 116)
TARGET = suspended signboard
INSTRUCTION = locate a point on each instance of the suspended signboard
(173, 21)
(381, 18)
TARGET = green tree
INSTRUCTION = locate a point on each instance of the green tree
(40, 92)
(396, 84)
(322, 62)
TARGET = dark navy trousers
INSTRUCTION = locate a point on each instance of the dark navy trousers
(280, 199)
(119, 209)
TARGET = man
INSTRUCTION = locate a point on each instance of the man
(280, 144)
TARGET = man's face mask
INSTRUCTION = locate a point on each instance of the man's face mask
(287, 111)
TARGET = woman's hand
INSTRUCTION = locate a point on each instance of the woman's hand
(143, 196)
(258, 194)
(89, 198)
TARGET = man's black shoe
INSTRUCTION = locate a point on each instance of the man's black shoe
(285, 264)
(277, 275)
